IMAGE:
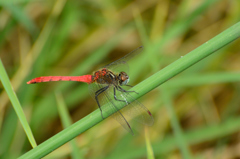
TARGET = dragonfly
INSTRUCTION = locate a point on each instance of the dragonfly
(108, 87)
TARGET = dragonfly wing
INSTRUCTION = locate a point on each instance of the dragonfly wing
(117, 115)
(121, 64)
(127, 57)
(109, 104)
(135, 109)
(102, 97)
(93, 87)
(118, 67)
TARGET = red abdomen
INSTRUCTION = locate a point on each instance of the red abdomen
(85, 78)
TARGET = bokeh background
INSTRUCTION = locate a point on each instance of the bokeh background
(196, 113)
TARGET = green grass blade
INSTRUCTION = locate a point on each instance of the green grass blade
(201, 79)
(66, 122)
(147, 85)
(178, 133)
(16, 104)
(150, 154)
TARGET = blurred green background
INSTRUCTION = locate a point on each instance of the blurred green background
(196, 113)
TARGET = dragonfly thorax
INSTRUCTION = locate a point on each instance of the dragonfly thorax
(106, 76)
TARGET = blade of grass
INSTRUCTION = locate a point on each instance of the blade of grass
(201, 79)
(66, 122)
(16, 104)
(144, 87)
(150, 154)
(178, 134)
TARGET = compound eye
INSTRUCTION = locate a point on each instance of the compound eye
(124, 79)
(125, 82)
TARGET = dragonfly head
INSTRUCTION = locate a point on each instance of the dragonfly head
(123, 78)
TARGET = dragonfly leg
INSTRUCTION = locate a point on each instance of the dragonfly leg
(96, 97)
(123, 90)
(115, 97)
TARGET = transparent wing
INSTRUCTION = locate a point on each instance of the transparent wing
(109, 104)
(135, 110)
(121, 64)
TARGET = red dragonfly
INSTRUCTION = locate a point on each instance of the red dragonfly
(106, 87)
